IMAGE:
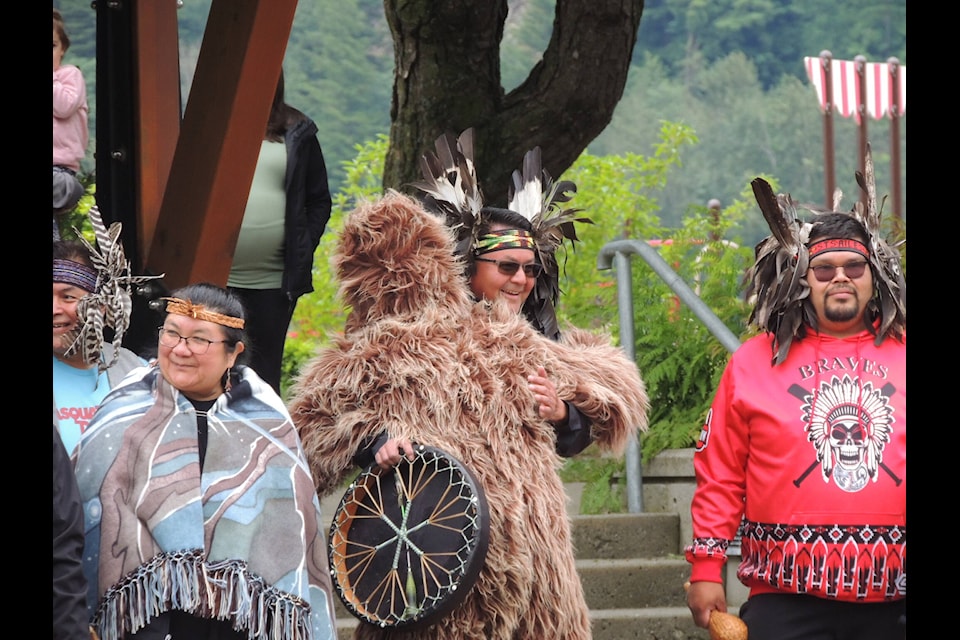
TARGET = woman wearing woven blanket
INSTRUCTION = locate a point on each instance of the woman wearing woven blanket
(201, 516)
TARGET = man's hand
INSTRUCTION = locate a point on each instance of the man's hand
(549, 404)
(390, 454)
(704, 597)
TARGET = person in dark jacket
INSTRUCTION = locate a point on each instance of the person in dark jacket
(69, 584)
(273, 261)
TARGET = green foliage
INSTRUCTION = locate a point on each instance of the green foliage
(775, 34)
(604, 489)
(679, 359)
(526, 33)
(730, 70)
(320, 315)
(364, 174)
(743, 131)
(297, 351)
(620, 194)
(78, 219)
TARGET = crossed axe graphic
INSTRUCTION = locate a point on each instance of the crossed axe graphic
(801, 393)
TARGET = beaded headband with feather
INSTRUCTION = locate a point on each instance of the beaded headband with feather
(109, 305)
(450, 185)
(777, 278)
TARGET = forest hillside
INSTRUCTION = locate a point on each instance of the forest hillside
(730, 70)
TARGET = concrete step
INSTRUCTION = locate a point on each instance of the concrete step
(345, 626)
(626, 535)
(652, 623)
(341, 611)
(624, 583)
(631, 571)
(621, 585)
(637, 582)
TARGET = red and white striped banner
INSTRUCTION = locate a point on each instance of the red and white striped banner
(878, 93)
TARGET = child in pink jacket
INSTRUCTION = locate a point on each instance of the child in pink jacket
(70, 133)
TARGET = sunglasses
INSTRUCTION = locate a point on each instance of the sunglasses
(827, 272)
(508, 267)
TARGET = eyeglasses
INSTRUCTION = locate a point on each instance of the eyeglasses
(827, 272)
(197, 345)
(508, 267)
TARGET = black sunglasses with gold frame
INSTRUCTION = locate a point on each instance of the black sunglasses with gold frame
(827, 272)
(509, 267)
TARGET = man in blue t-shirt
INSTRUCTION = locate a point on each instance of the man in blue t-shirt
(79, 384)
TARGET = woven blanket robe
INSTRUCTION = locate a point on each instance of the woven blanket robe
(242, 541)
(421, 359)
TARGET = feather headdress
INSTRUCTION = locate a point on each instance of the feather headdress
(777, 280)
(452, 190)
(534, 195)
(451, 187)
(890, 287)
(110, 305)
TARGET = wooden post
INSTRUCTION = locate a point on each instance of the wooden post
(894, 68)
(828, 165)
(714, 206)
(862, 115)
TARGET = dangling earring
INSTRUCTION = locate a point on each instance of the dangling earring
(227, 382)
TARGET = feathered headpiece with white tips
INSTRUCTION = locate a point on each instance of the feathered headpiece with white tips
(451, 188)
(110, 305)
(777, 281)
(534, 195)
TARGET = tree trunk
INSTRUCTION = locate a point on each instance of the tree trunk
(447, 78)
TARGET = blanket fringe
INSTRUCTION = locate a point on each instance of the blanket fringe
(224, 590)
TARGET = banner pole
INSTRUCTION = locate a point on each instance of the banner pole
(862, 138)
(894, 66)
(828, 166)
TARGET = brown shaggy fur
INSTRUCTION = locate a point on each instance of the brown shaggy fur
(421, 359)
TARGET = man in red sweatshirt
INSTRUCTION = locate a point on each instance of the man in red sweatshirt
(805, 453)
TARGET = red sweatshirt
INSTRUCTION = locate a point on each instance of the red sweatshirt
(812, 453)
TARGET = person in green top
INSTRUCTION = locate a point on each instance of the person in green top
(287, 211)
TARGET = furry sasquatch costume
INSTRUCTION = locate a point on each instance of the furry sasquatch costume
(421, 359)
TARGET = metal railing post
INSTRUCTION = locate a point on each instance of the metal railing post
(617, 253)
(625, 309)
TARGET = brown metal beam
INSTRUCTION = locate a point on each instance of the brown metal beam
(157, 100)
(219, 140)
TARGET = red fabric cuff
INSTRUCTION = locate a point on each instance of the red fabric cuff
(706, 569)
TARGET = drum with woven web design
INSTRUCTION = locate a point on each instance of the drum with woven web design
(407, 544)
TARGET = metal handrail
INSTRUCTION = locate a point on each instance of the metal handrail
(617, 253)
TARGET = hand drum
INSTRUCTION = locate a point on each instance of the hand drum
(407, 544)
